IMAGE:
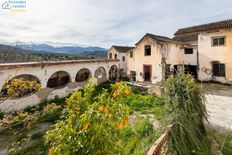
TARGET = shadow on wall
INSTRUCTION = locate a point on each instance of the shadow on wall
(59, 85)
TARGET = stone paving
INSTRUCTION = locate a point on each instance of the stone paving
(219, 105)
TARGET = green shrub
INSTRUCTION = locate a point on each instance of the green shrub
(185, 109)
(91, 125)
(16, 88)
(1, 115)
(227, 148)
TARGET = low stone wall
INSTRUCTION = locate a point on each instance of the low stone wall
(45, 94)
(145, 88)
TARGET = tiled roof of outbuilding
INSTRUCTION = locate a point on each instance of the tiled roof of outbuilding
(159, 38)
(186, 38)
(205, 27)
(122, 49)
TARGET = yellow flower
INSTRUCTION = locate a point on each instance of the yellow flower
(120, 125)
(68, 104)
(78, 108)
(126, 121)
(127, 92)
(101, 108)
(106, 111)
(86, 126)
(115, 94)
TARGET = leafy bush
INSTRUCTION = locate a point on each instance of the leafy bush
(91, 125)
(16, 88)
(1, 115)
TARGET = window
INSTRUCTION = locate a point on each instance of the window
(147, 50)
(123, 58)
(188, 51)
(218, 41)
(219, 69)
(131, 54)
(133, 75)
(110, 55)
(115, 56)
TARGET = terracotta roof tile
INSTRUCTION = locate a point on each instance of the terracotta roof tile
(186, 38)
(157, 37)
(205, 27)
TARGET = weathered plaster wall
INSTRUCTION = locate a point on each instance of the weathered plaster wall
(208, 53)
(43, 73)
(122, 64)
(189, 59)
(136, 63)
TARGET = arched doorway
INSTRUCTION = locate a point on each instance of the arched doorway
(83, 75)
(113, 73)
(100, 74)
(58, 79)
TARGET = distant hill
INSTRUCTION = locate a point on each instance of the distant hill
(60, 48)
(10, 54)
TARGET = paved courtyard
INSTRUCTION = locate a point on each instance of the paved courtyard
(219, 105)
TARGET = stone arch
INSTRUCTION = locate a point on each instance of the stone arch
(58, 79)
(24, 77)
(113, 73)
(83, 75)
(100, 74)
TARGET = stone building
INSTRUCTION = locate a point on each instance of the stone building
(212, 48)
(205, 51)
(121, 53)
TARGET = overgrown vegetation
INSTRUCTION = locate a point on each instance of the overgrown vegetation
(186, 111)
(227, 145)
(16, 88)
(22, 131)
(91, 125)
(135, 136)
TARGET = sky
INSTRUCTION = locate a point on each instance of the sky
(106, 22)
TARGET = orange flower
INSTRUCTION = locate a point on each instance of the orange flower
(68, 104)
(115, 94)
(126, 121)
(86, 126)
(120, 125)
(50, 152)
(101, 108)
(106, 111)
(78, 108)
(127, 92)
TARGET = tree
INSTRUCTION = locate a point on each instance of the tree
(186, 111)
(91, 125)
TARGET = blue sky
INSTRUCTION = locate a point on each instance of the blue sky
(106, 22)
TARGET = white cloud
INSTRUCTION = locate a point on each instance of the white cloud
(106, 22)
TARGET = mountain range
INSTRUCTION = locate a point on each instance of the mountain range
(61, 48)
(46, 52)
